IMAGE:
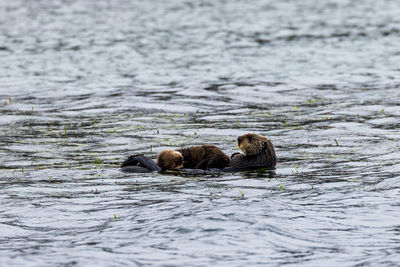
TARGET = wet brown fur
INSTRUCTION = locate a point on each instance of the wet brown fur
(170, 160)
(258, 153)
(195, 157)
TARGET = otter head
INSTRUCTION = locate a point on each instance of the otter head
(252, 144)
(170, 160)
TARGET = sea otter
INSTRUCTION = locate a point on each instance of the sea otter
(258, 153)
(195, 157)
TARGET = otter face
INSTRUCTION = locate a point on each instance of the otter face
(170, 160)
(251, 144)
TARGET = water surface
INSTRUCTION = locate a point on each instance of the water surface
(84, 84)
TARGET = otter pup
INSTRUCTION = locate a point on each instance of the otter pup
(258, 153)
(195, 157)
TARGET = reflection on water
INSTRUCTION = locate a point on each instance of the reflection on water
(84, 84)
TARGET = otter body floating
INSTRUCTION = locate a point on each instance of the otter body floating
(258, 152)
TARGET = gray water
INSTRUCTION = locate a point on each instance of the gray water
(84, 84)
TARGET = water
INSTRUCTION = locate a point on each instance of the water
(84, 84)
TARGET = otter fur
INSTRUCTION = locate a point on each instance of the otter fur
(258, 153)
(170, 160)
(195, 157)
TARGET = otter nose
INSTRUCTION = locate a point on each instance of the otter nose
(239, 139)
